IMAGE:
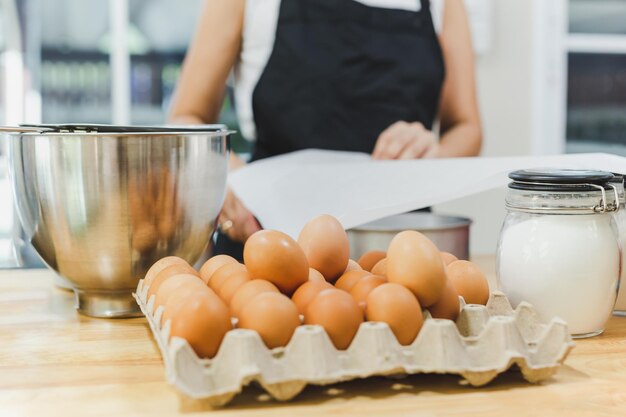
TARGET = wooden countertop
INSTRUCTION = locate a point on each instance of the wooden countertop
(54, 362)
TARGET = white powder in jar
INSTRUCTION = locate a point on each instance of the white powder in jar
(565, 265)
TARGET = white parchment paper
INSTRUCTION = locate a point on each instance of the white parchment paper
(284, 192)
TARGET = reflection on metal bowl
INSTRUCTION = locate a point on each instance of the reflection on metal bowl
(449, 233)
(101, 208)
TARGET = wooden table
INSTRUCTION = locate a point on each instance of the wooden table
(54, 362)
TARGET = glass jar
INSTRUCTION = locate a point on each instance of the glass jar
(559, 246)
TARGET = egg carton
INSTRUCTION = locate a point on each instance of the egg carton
(483, 342)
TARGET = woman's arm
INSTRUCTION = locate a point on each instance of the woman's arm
(200, 90)
(210, 57)
(460, 130)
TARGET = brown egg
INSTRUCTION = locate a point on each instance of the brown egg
(247, 291)
(414, 261)
(338, 313)
(273, 315)
(213, 264)
(361, 289)
(448, 258)
(380, 268)
(167, 273)
(371, 258)
(353, 266)
(315, 276)
(182, 292)
(448, 305)
(173, 283)
(469, 282)
(326, 246)
(350, 278)
(306, 292)
(223, 272)
(231, 284)
(202, 320)
(277, 258)
(395, 305)
(160, 265)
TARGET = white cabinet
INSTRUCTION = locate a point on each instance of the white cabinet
(596, 74)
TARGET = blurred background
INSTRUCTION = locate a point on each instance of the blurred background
(551, 78)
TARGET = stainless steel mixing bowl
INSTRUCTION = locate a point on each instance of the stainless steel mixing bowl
(449, 233)
(101, 207)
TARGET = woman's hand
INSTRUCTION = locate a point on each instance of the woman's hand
(403, 140)
(235, 220)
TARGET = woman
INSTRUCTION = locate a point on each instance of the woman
(357, 75)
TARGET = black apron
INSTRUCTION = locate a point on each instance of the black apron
(339, 74)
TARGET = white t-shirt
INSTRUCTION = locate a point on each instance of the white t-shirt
(259, 30)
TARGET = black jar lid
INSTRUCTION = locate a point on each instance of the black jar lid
(550, 179)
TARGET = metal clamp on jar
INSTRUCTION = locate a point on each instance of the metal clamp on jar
(559, 246)
(620, 217)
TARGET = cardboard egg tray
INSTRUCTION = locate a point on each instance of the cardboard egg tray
(484, 342)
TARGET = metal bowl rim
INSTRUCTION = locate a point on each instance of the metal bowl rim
(123, 134)
(457, 222)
